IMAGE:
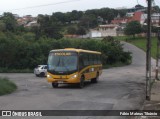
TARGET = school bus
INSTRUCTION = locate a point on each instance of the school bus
(70, 66)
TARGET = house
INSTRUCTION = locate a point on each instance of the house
(104, 30)
(21, 21)
(31, 24)
(136, 16)
(25, 20)
(108, 30)
(94, 33)
(155, 19)
(120, 20)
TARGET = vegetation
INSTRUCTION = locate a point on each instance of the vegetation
(132, 28)
(140, 42)
(52, 26)
(22, 48)
(49, 27)
(26, 53)
(6, 86)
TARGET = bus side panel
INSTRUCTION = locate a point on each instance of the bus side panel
(90, 72)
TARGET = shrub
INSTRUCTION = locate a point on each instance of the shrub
(18, 53)
(114, 51)
(6, 86)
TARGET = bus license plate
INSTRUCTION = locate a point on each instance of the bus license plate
(60, 81)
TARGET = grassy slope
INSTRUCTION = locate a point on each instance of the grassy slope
(141, 43)
(6, 86)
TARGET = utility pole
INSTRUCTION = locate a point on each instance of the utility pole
(158, 44)
(148, 53)
(157, 59)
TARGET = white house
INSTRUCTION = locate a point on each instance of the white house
(155, 19)
(95, 33)
(104, 30)
(31, 24)
(108, 30)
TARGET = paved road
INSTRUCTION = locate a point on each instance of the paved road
(120, 88)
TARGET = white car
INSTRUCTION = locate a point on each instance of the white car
(40, 70)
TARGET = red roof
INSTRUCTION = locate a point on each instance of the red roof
(119, 20)
(136, 17)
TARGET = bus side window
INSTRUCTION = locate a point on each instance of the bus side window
(91, 59)
(99, 59)
(95, 59)
(86, 59)
(81, 61)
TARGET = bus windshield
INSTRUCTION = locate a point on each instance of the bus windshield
(62, 62)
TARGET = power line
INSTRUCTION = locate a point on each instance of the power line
(44, 5)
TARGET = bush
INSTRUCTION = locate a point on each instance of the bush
(18, 52)
(6, 86)
(114, 51)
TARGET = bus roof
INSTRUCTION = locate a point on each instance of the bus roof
(76, 50)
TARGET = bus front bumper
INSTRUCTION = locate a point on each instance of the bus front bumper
(73, 78)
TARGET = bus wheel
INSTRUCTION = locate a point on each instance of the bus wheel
(55, 85)
(95, 80)
(81, 84)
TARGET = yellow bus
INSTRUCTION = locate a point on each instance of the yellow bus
(70, 66)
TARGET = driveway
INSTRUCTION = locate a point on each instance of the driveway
(121, 88)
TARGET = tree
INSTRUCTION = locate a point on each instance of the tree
(122, 12)
(108, 14)
(81, 31)
(2, 26)
(71, 30)
(156, 9)
(59, 16)
(49, 27)
(76, 15)
(132, 28)
(10, 21)
(36, 31)
(88, 21)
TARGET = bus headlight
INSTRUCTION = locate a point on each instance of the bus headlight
(48, 76)
(74, 76)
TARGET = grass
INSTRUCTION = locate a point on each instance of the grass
(140, 42)
(7, 70)
(118, 64)
(6, 86)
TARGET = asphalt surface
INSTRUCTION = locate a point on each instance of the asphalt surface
(121, 88)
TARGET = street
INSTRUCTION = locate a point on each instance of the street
(121, 88)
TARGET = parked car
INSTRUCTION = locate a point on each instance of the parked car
(40, 70)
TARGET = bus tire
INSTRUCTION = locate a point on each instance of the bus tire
(55, 85)
(81, 84)
(95, 80)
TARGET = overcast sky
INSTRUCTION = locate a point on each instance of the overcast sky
(15, 6)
